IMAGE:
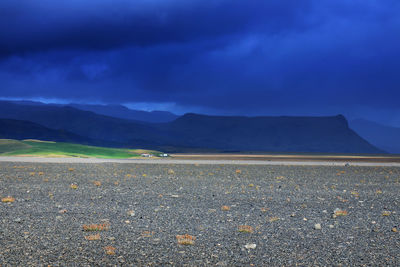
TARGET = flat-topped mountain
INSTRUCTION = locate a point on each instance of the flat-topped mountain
(194, 131)
(302, 134)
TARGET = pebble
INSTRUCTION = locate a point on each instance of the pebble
(250, 246)
(18, 220)
(317, 226)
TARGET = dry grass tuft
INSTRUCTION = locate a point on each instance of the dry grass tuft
(74, 186)
(238, 171)
(245, 229)
(95, 227)
(97, 183)
(273, 219)
(171, 171)
(225, 208)
(110, 250)
(8, 199)
(185, 239)
(71, 169)
(93, 237)
(386, 213)
(341, 212)
(147, 234)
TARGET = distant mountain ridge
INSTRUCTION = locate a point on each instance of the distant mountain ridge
(123, 112)
(117, 111)
(191, 132)
(382, 136)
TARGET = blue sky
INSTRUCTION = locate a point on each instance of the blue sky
(278, 57)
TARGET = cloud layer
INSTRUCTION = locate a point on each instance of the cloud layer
(247, 57)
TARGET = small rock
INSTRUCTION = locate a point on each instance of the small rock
(305, 219)
(250, 246)
(331, 226)
(18, 220)
(175, 196)
(58, 217)
(317, 226)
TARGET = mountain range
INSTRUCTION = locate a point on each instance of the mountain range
(190, 132)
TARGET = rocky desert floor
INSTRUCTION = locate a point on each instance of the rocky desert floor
(159, 214)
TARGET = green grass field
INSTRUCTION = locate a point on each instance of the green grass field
(9, 147)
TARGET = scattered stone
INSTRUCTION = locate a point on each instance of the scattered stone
(317, 226)
(18, 220)
(250, 246)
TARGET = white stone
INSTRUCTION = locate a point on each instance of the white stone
(317, 226)
(250, 246)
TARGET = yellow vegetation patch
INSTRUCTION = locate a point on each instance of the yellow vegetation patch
(7, 199)
(95, 227)
(238, 171)
(225, 208)
(97, 183)
(93, 237)
(386, 213)
(71, 169)
(185, 239)
(245, 229)
(273, 219)
(341, 212)
(110, 250)
(147, 233)
(74, 186)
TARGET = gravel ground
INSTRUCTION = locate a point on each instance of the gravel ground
(290, 209)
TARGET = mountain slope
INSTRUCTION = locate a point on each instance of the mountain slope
(382, 136)
(83, 123)
(193, 132)
(16, 129)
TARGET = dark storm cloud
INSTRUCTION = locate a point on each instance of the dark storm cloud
(43, 25)
(248, 57)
